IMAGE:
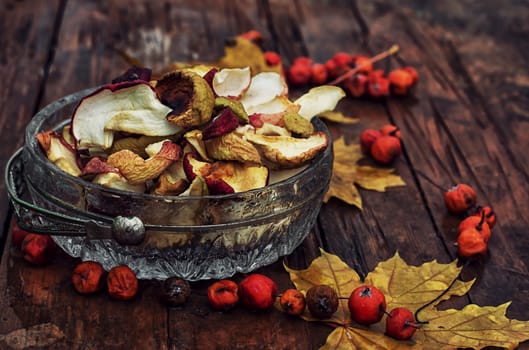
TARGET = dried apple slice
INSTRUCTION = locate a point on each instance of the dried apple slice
(289, 152)
(319, 99)
(222, 124)
(224, 177)
(138, 170)
(118, 182)
(131, 107)
(59, 152)
(264, 87)
(195, 139)
(232, 146)
(188, 95)
(232, 82)
(277, 105)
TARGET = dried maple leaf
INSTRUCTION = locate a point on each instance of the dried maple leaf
(411, 287)
(347, 173)
(40, 335)
(337, 117)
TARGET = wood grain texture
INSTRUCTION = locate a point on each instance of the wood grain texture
(466, 122)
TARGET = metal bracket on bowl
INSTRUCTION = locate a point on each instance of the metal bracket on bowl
(33, 218)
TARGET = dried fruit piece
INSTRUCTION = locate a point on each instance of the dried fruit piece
(470, 243)
(172, 181)
(122, 283)
(285, 151)
(257, 292)
(318, 100)
(460, 198)
(385, 149)
(264, 87)
(400, 324)
(137, 170)
(298, 125)
(132, 74)
(223, 295)
(235, 106)
(226, 177)
(367, 305)
(196, 139)
(232, 146)
(293, 302)
(175, 291)
(277, 106)
(322, 301)
(223, 123)
(129, 107)
(59, 152)
(97, 165)
(188, 95)
(117, 181)
(38, 249)
(231, 82)
(87, 277)
(135, 144)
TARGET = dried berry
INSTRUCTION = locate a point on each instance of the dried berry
(122, 283)
(490, 215)
(272, 58)
(385, 149)
(401, 81)
(175, 291)
(391, 130)
(257, 292)
(460, 198)
(367, 305)
(378, 86)
(477, 222)
(223, 295)
(400, 324)
(363, 63)
(356, 85)
(367, 137)
(87, 277)
(298, 74)
(470, 243)
(318, 74)
(293, 302)
(17, 235)
(322, 301)
(38, 249)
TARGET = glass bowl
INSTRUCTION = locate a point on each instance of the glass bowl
(190, 237)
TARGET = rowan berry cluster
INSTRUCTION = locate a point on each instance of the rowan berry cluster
(383, 145)
(364, 81)
(473, 231)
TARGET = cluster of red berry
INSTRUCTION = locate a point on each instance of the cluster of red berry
(383, 145)
(473, 231)
(354, 73)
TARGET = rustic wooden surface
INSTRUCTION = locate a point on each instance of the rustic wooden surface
(467, 122)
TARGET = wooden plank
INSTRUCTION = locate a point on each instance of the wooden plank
(27, 32)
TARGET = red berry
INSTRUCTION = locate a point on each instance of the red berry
(257, 292)
(122, 283)
(390, 130)
(363, 63)
(332, 68)
(293, 302)
(413, 72)
(38, 249)
(470, 243)
(460, 198)
(356, 85)
(378, 87)
(318, 74)
(298, 74)
(401, 81)
(223, 295)
(478, 223)
(303, 61)
(367, 305)
(322, 301)
(385, 149)
(367, 137)
(490, 215)
(400, 324)
(87, 277)
(272, 58)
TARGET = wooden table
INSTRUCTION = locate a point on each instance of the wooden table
(467, 123)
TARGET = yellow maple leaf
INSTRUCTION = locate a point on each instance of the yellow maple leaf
(412, 287)
(347, 173)
(337, 117)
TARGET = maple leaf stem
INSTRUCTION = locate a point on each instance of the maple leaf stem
(391, 51)
(416, 315)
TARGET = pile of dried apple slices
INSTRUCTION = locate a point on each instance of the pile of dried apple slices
(193, 131)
